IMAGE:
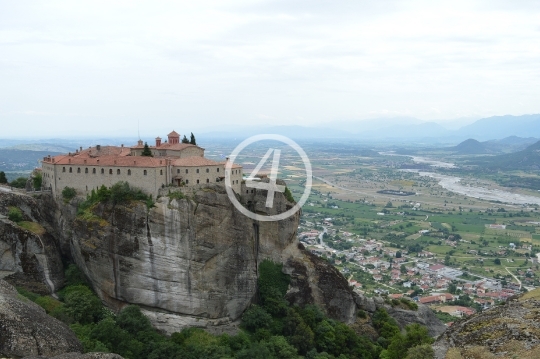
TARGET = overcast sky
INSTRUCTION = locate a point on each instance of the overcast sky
(99, 67)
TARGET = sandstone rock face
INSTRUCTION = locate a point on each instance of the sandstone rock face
(26, 330)
(186, 262)
(32, 257)
(423, 316)
(511, 330)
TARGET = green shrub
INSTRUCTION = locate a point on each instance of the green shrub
(27, 294)
(15, 215)
(68, 193)
(256, 317)
(48, 303)
(289, 195)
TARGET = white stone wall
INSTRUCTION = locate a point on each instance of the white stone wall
(83, 178)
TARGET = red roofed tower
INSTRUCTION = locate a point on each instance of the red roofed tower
(173, 138)
(158, 141)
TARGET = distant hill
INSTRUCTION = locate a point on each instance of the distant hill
(527, 159)
(510, 144)
(502, 126)
(21, 160)
(470, 147)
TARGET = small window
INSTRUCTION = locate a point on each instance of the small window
(178, 171)
(145, 173)
(207, 170)
(86, 170)
(118, 171)
(218, 169)
(197, 181)
(161, 172)
(110, 171)
(129, 172)
(247, 190)
(187, 170)
(70, 170)
(102, 171)
(207, 180)
(197, 170)
(187, 181)
(63, 169)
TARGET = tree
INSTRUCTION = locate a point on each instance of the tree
(185, 139)
(389, 205)
(192, 141)
(146, 151)
(37, 181)
(403, 269)
(398, 254)
(497, 261)
(3, 179)
(83, 305)
(19, 182)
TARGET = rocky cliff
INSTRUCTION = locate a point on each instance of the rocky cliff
(25, 328)
(192, 260)
(511, 330)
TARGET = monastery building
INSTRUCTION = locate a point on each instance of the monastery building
(173, 164)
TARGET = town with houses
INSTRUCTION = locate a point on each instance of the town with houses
(372, 267)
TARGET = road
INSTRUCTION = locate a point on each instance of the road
(512, 274)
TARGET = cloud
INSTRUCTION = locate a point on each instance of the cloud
(200, 64)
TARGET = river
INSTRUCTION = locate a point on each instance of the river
(454, 184)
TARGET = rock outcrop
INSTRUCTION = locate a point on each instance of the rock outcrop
(192, 259)
(511, 330)
(26, 330)
(32, 256)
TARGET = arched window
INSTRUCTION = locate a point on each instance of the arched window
(70, 170)
(218, 169)
(187, 170)
(86, 170)
(207, 180)
(207, 170)
(118, 171)
(178, 171)
(197, 170)
(94, 171)
(63, 169)
(145, 173)
(129, 172)
(110, 171)
(187, 181)
(197, 181)
(79, 170)
(161, 172)
(102, 171)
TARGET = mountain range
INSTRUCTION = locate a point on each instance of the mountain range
(399, 128)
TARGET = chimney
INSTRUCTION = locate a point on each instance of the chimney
(81, 148)
(158, 141)
(98, 147)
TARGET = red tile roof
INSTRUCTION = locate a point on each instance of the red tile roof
(173, 134)
(119, 161)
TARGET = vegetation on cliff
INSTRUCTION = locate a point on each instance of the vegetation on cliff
(270, 329)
